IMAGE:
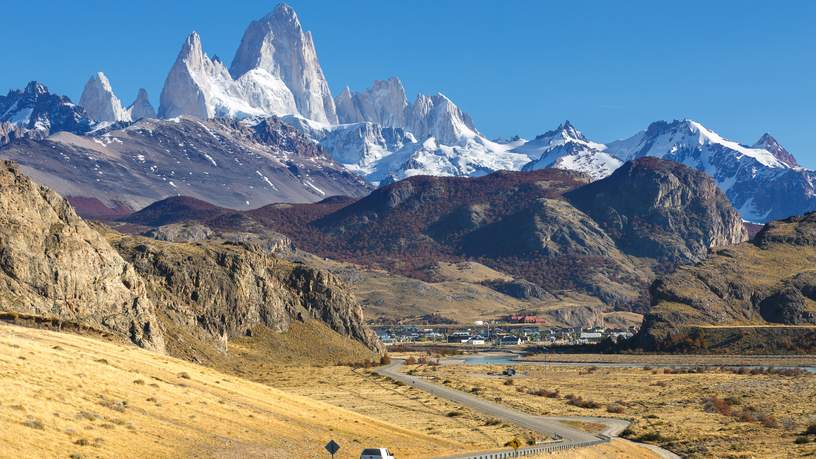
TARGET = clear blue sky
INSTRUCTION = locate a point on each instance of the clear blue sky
(518, 67)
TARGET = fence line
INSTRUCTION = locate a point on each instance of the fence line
(533, 450)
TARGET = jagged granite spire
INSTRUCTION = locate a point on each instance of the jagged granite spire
(141, 107)
(277, 43)
(100, 102)
(203, 87)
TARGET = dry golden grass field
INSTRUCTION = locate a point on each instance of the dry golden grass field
(716, 414)
(64, 395)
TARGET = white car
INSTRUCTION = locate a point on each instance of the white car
(376, 453)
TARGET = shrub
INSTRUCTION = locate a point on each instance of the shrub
(184, 375)
(411, 360)
(34, 424)
(716, 405)
(544, 393)
(801, 440)
(615, 408)
(581, 403)
(651, 436)
(453, 414)
(508, 382)
(492, 422)
(811, 429)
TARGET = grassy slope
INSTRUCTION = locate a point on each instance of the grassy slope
(63, 394)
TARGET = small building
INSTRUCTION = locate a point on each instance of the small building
(509, 340)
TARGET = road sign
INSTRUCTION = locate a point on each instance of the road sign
(332, 447)
(514, 443)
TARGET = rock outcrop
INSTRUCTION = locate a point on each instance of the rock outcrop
(186, 298)
(663, 210)
(100, 102)
(224, 290)
(757, 296)
(53, 265)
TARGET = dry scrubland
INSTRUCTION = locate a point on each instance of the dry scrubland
(64, 395)
(712, 414)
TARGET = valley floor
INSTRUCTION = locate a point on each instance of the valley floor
(711, 414)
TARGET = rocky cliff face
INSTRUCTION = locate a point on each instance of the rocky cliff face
(224, 290)
(753, 285)
(53, 265)
(660, 209)
(187, 298)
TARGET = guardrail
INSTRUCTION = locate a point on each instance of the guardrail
(552, 447)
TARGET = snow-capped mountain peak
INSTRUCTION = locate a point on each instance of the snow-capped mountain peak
(565, 133)
(565, 147)
(35, 88)
(683, 137)
(141, 107)
(203, 87)
(100, 102)
(277, 44)
(35, 112)
(767, 142)
(437, 116)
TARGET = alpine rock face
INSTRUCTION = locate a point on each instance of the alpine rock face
(100, 102)
(385, 103)
(35, 112)
(435, 137)
(278, 45)
(141, 108)
(203, 87)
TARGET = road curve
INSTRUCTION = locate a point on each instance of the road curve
(534, 423)
(551, 426)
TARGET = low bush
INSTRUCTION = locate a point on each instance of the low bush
(544, 393)
(581, 403)
(615, 408)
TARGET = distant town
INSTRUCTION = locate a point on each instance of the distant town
(482, 333)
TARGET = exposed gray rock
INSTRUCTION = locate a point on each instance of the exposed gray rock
(53, 265)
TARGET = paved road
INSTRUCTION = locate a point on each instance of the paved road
(534, 423)
(543, 424)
